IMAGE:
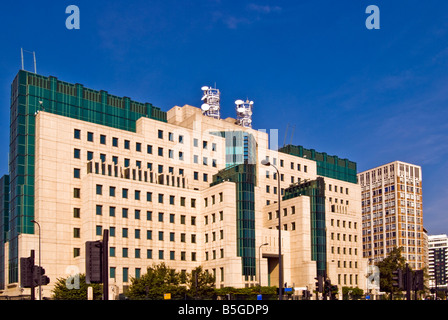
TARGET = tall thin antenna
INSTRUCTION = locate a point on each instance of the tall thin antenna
(34, 56)
(286, 133)
(21, 55)
(292, 134)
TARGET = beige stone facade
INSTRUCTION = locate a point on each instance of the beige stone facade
(151, 190)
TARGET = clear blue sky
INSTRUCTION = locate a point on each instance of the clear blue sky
(373, 96)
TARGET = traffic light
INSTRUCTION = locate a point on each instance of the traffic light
(39, 277)
(418, 280)
(94, 262)
(398, 279)
(26, 271)
(327, 286)
(319, 284)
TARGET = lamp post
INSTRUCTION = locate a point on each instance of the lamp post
(40, 291)
(259, 263)
(280, 264)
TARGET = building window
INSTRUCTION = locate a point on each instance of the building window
(76, 213)
(76, 173)
(161, 254)
(99, 230)
(99, 189)
(99, 210)
(76, 193)
(149, 196)
(90, 136)
(160, 152)
(124, 232)
(125, 193)
(77, 134)
(160, 134)
(138, 147)
(102, 139)
(112, 211)
(149, 149)
(76, 232)
(124, 212)
(77, 154)
(114, 142)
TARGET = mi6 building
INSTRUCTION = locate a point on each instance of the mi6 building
(183, 187)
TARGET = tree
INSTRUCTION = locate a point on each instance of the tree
(387, 266)
(158, 280)
(201, 284)
(350, 293)
(63, 292)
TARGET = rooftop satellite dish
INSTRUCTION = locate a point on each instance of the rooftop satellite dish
(251, 102)
(240, 109)
(238, 102)
(204, 88)
(205, 107)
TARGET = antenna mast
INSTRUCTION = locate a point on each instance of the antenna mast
(244, 113)
(211, 98)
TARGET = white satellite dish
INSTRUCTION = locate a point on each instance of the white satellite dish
(238, 102)
(240, 109)
(205, 107)
(204, 88)
(251, 102)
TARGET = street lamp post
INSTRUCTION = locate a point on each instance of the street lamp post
(259, 263)
(40, 266)
(280, 264)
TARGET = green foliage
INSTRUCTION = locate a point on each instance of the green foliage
(201, 284)
(62, 292)
(352, 293)
(249, 293)
(387, 266)
(158, 280)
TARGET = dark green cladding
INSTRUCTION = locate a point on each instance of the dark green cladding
(65, 99)
(326, 166)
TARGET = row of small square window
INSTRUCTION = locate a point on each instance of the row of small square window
(282, 164)
(149, 254)
(137, 214)
(138, 145)
(137, 195)
(138, 163)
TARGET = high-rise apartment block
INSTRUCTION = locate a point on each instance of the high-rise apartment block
(392, 212)
(438, 261)
(178, 187)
